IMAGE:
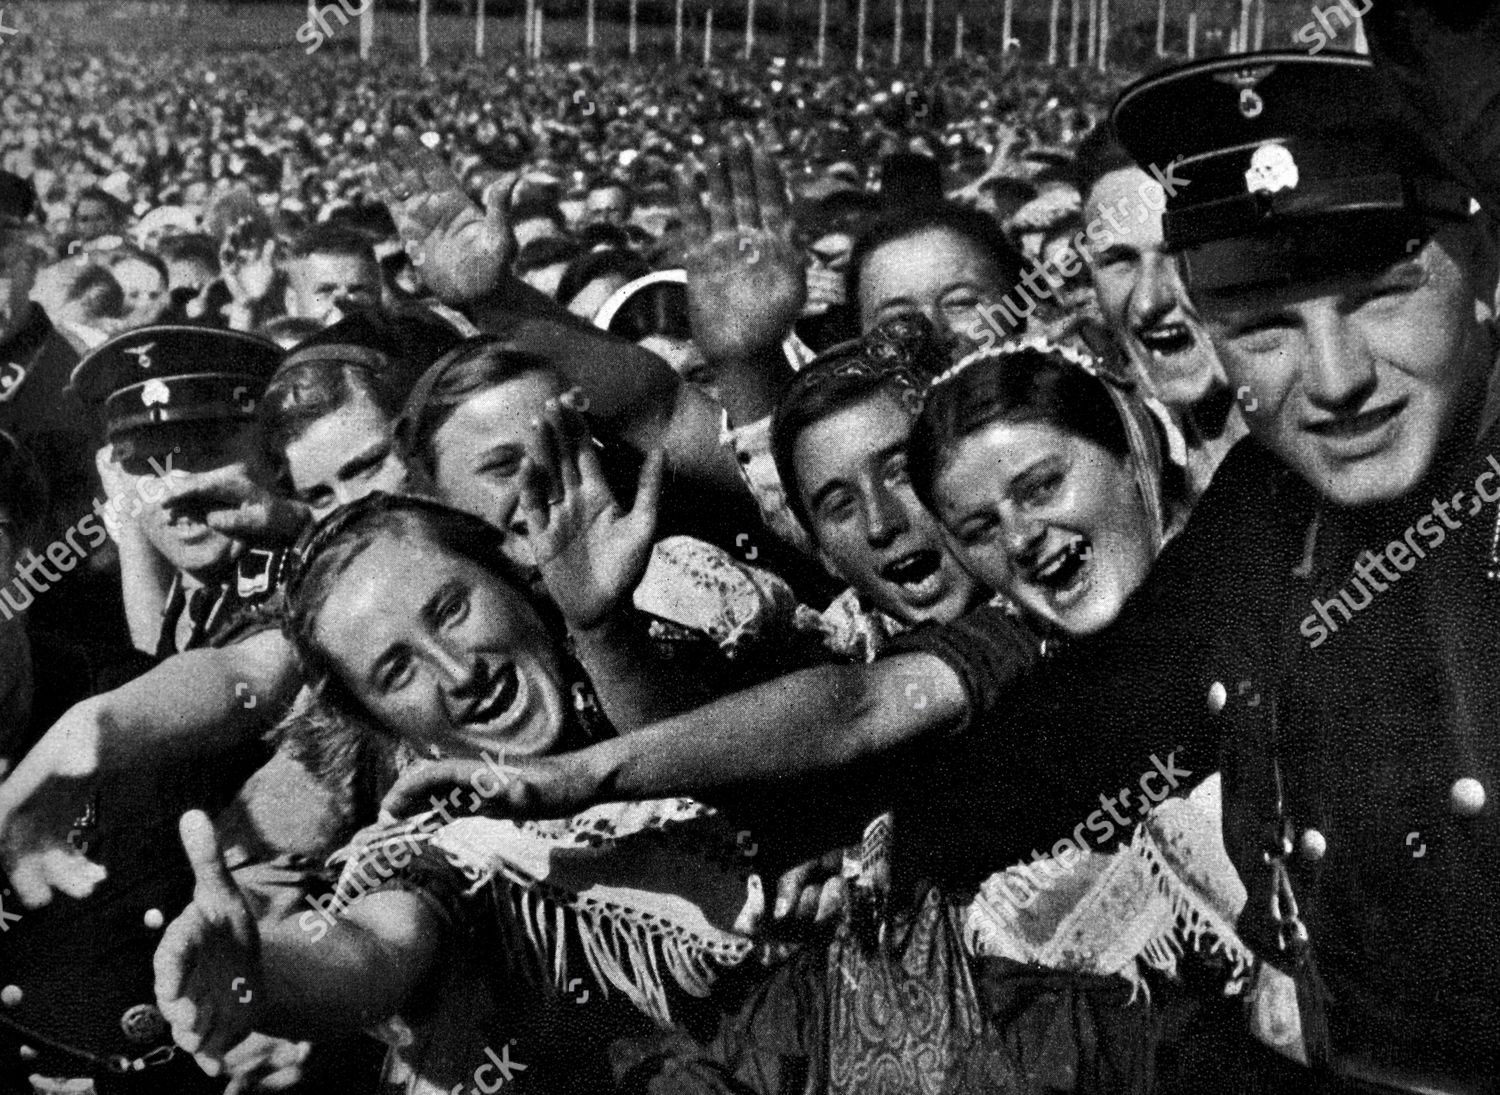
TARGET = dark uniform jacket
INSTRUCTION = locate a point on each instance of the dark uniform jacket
(84, 967)
(1212, 667)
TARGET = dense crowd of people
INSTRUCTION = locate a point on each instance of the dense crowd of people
(597, 577)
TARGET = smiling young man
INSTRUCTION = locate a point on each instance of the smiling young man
(1145, 305)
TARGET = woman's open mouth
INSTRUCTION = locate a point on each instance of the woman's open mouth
(1065, 570)
(918, 575)
(498, 699)
(1166, 339)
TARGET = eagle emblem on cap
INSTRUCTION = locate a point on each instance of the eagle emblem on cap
(1272, 169)
(156, 392)
(142, 354)
(1245, 79)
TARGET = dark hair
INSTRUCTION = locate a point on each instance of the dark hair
(376, 355)
(602, 234)
(545, 251)
(532, 203)
(115, 206)
(1099, 154)
(842, 211)
(1008, 194)
(590, 267)
(475, 365)
(190, 247)
(306, 392)
(656, 309)
(977, 228)
(327, 550)
(1027, 385)
(23, 490)
(95, 276)
(841, 377)
(332, 239)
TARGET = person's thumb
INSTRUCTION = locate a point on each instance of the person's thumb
(497, 202)
(213, 885)
(648, 486)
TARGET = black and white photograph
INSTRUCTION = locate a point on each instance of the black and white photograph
(750, 547)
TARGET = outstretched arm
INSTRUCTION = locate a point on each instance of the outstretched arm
(815, 721)
(218, 979)
(193, 704)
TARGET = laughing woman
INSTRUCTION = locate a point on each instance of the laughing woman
(415, 627)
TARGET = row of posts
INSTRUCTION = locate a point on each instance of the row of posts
(1088, 35)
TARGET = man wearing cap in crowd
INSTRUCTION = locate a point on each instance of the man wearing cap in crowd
(76, 1000)
(1326, 630)
(180, 402)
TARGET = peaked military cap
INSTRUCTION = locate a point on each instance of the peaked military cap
(170, 374)
(1282, 166)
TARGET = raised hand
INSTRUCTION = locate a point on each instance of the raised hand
(591, 553)
(460, 251)
(248, 261)
(234, 502)
(745, 277)
(208, 970)
(41, 804)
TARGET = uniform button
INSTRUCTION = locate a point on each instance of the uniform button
(154, 919)
(1467, 796)
(29, 1054)
(1218, 696)
(10, 996)
(1314, 845)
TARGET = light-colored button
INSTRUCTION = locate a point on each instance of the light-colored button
(29, 1054)
(1314, 845)
(10, 996)
(1218, 696)
(154, 919)
(1467, 796)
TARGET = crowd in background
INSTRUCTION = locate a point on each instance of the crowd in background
(564, 543)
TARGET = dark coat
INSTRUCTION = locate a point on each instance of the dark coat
(1375, 724)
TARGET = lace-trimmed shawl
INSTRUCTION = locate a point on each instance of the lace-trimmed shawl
(1173, 888)
(651, 891)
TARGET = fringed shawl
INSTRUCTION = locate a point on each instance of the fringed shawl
(651, 892)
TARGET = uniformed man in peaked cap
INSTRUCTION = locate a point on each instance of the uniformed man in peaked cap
(1326, 630)
(178, 403)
